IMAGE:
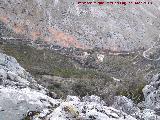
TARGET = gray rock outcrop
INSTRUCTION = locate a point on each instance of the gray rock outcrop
(152, 94)
(19, 93)
(149, 109)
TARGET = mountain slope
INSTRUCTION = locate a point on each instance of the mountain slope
(67, 23)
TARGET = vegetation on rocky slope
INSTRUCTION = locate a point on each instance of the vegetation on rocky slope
(133, 92)
(84, 81)
(78, 80)
(45, 62)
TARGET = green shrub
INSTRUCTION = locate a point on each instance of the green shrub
(83, 88)
(133, 92)
(80, 73)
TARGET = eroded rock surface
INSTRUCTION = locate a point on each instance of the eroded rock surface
(19, 93)
(149, 109)
(152, 94)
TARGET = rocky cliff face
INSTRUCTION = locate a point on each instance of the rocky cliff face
(67, 23)
(18, 90)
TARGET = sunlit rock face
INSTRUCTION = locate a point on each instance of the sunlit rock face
(69, 24)
(19, 92)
